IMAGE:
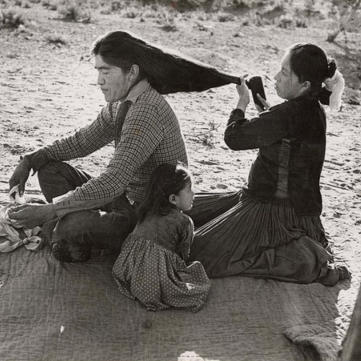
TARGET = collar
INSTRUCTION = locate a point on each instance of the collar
(304, 97)
(137, 90)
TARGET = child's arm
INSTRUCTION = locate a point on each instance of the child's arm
(185, 239)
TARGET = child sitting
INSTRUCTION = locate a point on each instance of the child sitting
(151, 266)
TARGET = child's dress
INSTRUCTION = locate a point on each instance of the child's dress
(151, 266)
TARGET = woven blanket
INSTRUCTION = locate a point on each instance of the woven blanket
(52, 311)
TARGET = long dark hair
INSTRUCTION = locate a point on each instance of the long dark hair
(166, 70)
(310, 63)
(112, 50)
(166, 179)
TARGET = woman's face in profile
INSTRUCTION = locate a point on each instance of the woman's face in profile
(113, 81)
(288, 85)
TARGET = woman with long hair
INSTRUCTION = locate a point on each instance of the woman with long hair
(275, 230)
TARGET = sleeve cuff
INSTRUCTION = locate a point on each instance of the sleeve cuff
(66, 203)
(236, 114)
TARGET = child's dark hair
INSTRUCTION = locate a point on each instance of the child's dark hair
(310, 63)
(166, 179)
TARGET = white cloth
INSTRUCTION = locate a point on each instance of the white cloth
(14, 195)
(336, 85)
(12, 235)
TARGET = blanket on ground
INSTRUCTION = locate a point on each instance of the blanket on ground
(52, 311)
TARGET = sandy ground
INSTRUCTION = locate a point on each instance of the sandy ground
(48, 90)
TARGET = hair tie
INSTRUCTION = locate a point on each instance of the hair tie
(335, 85)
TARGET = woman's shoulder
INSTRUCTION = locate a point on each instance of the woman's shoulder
(297, 106)
(304, 102)
(151, 98)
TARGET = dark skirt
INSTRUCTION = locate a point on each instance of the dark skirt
(266, 240)
(208, 206)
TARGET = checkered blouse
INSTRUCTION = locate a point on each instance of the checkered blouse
(150, 136)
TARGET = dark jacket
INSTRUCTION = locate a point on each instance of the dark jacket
(302, 122)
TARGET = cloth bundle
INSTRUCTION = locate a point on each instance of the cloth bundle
(12, 235)
(335, 85)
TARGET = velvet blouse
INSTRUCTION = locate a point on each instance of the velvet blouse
(291, 138)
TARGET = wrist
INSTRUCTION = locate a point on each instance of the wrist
(51, 213)
(242, 104)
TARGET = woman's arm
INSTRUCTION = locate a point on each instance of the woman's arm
(140, 137)
(243, 94)
(87, 139)
(269, 127)
(264, 130)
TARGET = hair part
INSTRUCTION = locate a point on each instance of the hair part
(166, 179)
(110, 48)
(310, 63)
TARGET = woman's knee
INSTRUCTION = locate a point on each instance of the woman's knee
(57, 178)
(51, 180)
(49, 170)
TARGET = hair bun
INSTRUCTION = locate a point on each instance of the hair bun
(331, 68)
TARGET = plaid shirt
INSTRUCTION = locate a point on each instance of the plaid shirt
(150, 136)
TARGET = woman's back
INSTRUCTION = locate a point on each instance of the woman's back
(302, 159)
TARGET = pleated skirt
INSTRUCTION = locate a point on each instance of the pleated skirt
(267, 240)
(209, 205)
